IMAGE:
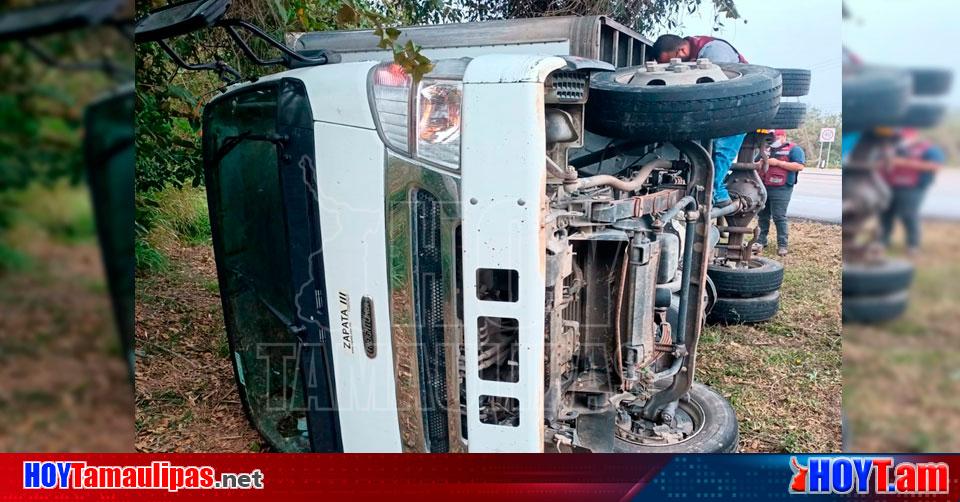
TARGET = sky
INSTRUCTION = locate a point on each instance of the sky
(785, 34)
(906, 33)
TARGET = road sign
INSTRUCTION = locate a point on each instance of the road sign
(828, 134)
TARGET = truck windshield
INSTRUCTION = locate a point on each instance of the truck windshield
(249, 233)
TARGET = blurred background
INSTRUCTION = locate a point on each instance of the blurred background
(901, 318)
(65, 126)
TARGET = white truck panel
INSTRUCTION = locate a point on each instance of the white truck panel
(502, 194)
(338, 94)
(351, 193)
(503, 68)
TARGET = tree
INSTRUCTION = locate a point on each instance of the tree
(169, 101)
(808, 137)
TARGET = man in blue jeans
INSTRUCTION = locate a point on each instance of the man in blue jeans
(909, 176)
(717, 50)
(786, 160)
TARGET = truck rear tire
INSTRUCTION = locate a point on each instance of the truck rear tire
(764, 276)
(796, 82)
(874, 97)
(876, 308)
(882, 279)
(719, 432)
(922, 115)
(931, 81)
(745, 310)
(789, 116)
(683, 112)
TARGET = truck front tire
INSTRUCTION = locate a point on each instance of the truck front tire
(719, 432)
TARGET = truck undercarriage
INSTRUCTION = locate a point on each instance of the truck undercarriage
(620, 303)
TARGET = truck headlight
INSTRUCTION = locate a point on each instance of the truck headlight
(438, 121)
(391, 94)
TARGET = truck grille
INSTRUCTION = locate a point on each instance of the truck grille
(428, 292)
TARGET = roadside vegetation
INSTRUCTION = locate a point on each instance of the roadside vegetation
(808, 137)
(784, 376)
(902, 379)
(65, 385)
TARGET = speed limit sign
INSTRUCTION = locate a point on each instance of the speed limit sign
(828, 134)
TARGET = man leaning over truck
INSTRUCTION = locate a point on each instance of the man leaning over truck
(725, 149)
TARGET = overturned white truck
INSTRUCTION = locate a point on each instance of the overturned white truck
(505, 256)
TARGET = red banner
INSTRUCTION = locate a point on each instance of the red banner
(291, 477)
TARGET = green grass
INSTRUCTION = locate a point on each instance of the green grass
(149, 259)
(223, 346)
(212, 286)
(12, 260)
(901, 378)
(783, 376)
(167, 219)
(182, 212)
(62, 210)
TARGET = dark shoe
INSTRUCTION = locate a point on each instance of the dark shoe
(782, 251)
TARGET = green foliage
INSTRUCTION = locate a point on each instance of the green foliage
(149, 259)
(169, 100)
(181, 212)
(946, 136)
(40, 138)
(12, 260)
(59, 210)
(41, 108)
(808, 137)
(62, 210)
(168, 124)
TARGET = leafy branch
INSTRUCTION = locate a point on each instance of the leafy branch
(407, 55)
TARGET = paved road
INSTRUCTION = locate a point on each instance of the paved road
(943, 199)
(818, 195)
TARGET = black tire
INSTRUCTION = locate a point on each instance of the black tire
(789, 116)
(865, 280)
(931, 81)
(875, 309)
(684, 112)
(764, 276)
(874, 97)
(719, 433)
(710, 294)
(922, 115)
(745, 310)
(796, 82)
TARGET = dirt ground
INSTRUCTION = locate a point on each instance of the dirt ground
(65, 385)
(783, 377)
(186, 394)
(902, 379)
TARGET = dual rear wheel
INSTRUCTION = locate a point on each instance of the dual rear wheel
(746, 295)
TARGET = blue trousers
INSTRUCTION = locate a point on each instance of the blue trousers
(905, 207)
(725, 151)
(778, 198)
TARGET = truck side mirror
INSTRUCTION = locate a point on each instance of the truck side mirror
(56, 17)
(179, 19)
